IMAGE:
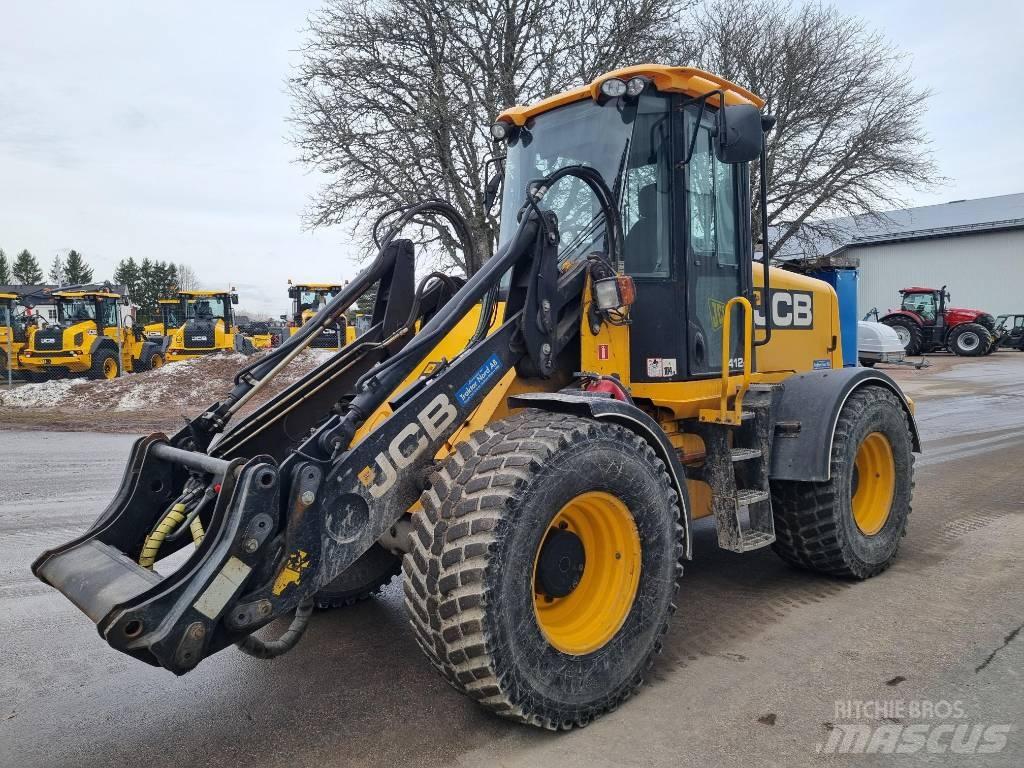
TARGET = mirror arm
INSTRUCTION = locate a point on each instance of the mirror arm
(766, 302)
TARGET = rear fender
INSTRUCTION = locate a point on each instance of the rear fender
(806, 418)
(626, 415)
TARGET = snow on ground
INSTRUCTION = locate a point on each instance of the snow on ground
(184, 387)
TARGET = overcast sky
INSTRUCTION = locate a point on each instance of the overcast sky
(158, 130)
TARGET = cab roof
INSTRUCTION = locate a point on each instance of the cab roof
(318, 286)
(86, 295)
(168, 301)
(8, 295)
(204, 294)
(688, 80)
(918, 289)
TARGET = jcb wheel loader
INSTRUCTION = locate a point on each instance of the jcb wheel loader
(89, 338)
(536, 443)
(310, 298)
(208, 328)
(15, 331)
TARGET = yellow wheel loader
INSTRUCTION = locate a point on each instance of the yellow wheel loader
(208, 328)
(307, 300)
(172, 317)
(535, 444)
(16, 329)
(89, 338)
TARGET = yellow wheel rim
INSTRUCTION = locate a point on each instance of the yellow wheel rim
(875, 483)
(110, 368)
(156, 362)
(591, 614)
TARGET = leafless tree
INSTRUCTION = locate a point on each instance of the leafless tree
(848, 137)
(188, 280)
(392, 100)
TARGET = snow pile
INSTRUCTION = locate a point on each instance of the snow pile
(184, 387)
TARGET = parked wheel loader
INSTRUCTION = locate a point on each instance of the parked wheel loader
(171, 316)
(533, 446)
(310, 298)
(89, 338)
(16, 328)
(209, 327)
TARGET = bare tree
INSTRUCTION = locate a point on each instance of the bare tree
(188, 280)
(848, 137)
(393, 100)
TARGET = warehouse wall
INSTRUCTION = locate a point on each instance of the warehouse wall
(982, 271)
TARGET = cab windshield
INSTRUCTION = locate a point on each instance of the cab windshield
(80, 310)
(628, 144)
(206, 308)
(315, 300)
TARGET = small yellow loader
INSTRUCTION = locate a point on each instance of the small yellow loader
(530, 448)
(172, 317)
(307, 300)
(16, 329)
(89, 338)
(208, 327)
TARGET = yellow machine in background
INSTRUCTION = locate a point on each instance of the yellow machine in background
(89, 338)
(172, 316)
(307, 300)
(16, 330)
(208, 328)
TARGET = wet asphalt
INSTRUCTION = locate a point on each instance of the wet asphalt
(752, 671)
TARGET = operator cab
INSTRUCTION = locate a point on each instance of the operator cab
(928, 303)
(687, 242)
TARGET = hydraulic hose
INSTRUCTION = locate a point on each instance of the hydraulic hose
(270, 649)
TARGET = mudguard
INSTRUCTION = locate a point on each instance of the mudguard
(604, 408)
(806, 418)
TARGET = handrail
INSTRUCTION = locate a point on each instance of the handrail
(723, 416)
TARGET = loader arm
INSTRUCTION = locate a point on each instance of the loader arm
(296, 499)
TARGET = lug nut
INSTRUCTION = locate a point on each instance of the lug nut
(198, 632)
(250, 545)
(308, 497)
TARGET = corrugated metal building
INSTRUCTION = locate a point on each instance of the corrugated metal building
(974, 247)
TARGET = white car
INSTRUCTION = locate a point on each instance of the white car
(878, 343)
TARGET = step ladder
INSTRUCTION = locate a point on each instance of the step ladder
(737, 445)
(736, 466)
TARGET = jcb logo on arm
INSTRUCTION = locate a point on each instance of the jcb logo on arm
(408, 445)
(791, 310)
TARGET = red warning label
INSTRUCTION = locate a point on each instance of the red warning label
(602, 351)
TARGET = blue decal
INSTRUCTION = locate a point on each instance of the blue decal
(822, 364)
(484, 373)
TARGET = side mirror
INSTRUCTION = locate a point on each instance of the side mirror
(739, 134)
(234, 298)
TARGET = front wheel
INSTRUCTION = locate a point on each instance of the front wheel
(105, 365)
(544, 566)
(851, 524)
(970, 340)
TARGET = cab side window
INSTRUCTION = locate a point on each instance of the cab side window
(646, 202)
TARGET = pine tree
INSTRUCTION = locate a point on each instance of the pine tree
(56, 274)
(26, 269)
(5, 269)
(76, 271)
(127, 275)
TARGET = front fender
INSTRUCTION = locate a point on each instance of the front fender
(806, 418)
(625, 415)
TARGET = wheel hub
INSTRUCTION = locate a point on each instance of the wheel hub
(969, 340)
(560, 563)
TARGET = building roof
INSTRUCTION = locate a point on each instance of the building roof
(958, 217)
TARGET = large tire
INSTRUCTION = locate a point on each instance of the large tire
(908, 331)
(969, 340)
(373, 571)
(474, 580)
(817, 525)
(104, 363)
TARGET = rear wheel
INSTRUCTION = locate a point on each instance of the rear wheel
(374, 570)
(104, 365)
(544, 566)
(970, 340)
(908, 331)
(851, 524)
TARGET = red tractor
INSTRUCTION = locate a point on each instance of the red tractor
(924, 324)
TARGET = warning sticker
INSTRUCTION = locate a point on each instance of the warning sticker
(661, 367)
(602, 351)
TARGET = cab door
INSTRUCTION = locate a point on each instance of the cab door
(717, 245)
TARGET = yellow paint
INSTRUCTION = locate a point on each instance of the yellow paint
(875, 470)
(367, 476)
(291, 573)
(588, 617)
(686, 80)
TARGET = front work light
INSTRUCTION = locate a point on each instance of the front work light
(613, 87)
(635, 86)
(613, 293)
(499, 130)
